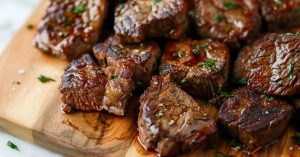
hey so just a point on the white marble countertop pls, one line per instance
(13, 13)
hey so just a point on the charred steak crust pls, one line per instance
(83, 85)
(199, 67)
(229, 21)
(69, 29)
(254, 119)
(272, 65)
(281, 14)
(170, 121)
(145, 56)
(139, 19)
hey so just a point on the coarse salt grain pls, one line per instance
(21, 71)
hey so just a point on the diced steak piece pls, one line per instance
(170, 121)
(136, 20)
(69, 29)
(271, 65)
(88, 87)
(229, 21)
(281, 14)
(200, 66)
(145, 56)
(255, 120)
(83, 85)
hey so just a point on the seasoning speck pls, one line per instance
(12, 145)
(30, 26)
(21, 71)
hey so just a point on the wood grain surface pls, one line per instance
(31, 111)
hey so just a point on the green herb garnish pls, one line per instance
(229, 5)
(219, 17)
(278, 3)
(243, 80)
(291, 73)
(79, 9)
(179, 54)
(67, 22)
(156, 1)
(12, 145)
(183, 81)
(226, 94)
(196, 50)
(210, 64)
(30, 26)
(267, 97)
(235, 144)
(121, 7)
(45, 79)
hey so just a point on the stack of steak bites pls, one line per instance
(105, 76)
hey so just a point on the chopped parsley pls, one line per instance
(291, 73)
(121, 7)
(196, 50)
(45, 79)
(12, 145)
(156, 1)
(30, 26)
(67, 22)
(226, 94)
(183, 81)
(267, 97)
(234, 144)
(79, 9)
(210, 64)
(243, 80)
(229, 5)
(219, 17)
(179, 54)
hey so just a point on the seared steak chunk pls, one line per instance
(229, 21)
(200, 67)
(83, 85)
(69, 29)
(171, 121)
(272, 64)
(88, 87)
(145, 56)
(256, 120)
(281, 14)
(136, 20)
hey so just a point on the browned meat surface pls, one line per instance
(83, 85)
(256, 120)
(145, 56)
(139, 19)
(171, 121)
(281, 14)
(200, 67)
(271, 65)
(69, 29)
(229, 21)
(88, 87)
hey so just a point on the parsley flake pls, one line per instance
(219, 17)
(291, 73)
(156, 1)
(267, 97)
(229, 5)
(210, 64)
(12, 145)
(67, 22)
(226, 94)
(79, 9)
(243, 80)
(45, 79)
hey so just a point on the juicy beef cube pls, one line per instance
(83, 85)
(88, 87)
(136, 20)
(145, 56)
(229, 21)
(170, 121)
(256, 120)
(281, 14)
(271, 65)
(69, 29)
(199, 67)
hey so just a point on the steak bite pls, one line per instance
(136, 20)
(88, 87)
(271, 65)
(83, 85)
(69, 29)
(170, 121)
(256, 120)
(144, 55)
(199, 66)
(229, 21)
(281, 14)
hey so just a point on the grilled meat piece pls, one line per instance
(83, 85)
(256, 120)
(88, 87)
(229, 21)
(145, 56)
(281, 14)
(272, 64)
(69, 29)
(171, 121)
(200, 67)
(136, 20)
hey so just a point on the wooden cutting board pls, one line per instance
(31, 110)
